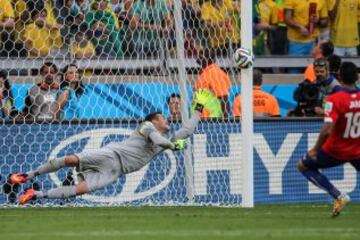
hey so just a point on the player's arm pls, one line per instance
(148, 131)
(201, 96)
(161, 141)
(331, 116)
(324, 134)
(187, 128)
(334, 10)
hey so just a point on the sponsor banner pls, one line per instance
(216, 163)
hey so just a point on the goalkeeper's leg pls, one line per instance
(96, 169)
(60, 192)
(89, 181)
(51, 166)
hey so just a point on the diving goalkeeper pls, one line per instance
(101, 167)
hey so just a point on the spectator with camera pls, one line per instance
(310, 96)
(326, 81)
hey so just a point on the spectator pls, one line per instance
(334, 65)
(323, 49)
(22, 18)
(52, 25)
(344, 30)
(265, 105)
(309, 96)
(63, 11)
(221, 17)
(40, 102)
(69, 14)
(122, 11)
(72, 89)
(37, 36)
(116, 6)
(104, 24)
(80, 8)
(279, 41)
(303, 28)
(7, 23)
(212, 77)
(194, 29)
(82, 47)
(6, 97)
(151, 23)
(174, 103)
(327, 82)
(268, 18)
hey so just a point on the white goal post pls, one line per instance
(247, 157)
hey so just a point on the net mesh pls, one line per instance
(83, 73)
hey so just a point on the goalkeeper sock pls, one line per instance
(321, 181)
(60, 192)
(50, 166)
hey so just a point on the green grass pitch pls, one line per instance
(262, 222)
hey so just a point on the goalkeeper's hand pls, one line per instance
(180, 145)
(201, 97)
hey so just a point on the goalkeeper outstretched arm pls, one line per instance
(161, 141)
(176, 142)
(188, 127)
(201, 97)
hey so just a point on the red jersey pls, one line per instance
(343, 109)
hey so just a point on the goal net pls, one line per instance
(85, 73)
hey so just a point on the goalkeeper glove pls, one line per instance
(180, 145)
(201, 97)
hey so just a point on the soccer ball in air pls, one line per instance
(243, 58)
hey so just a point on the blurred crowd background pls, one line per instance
(144, 28)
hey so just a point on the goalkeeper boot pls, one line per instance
(27, 196)
(17, 178)
(339, 204)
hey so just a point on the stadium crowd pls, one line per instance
(51, 99)
(325, 29)
(132, 28)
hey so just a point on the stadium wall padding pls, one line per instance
(135, 100)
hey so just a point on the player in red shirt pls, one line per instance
(339, 139)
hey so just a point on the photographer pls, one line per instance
(310, 96)
(324, 78)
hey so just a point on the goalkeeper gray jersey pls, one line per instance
(146, 142)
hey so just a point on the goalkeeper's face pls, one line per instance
(161, 123)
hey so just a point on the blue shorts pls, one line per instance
(324, 160)
(300, 49)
